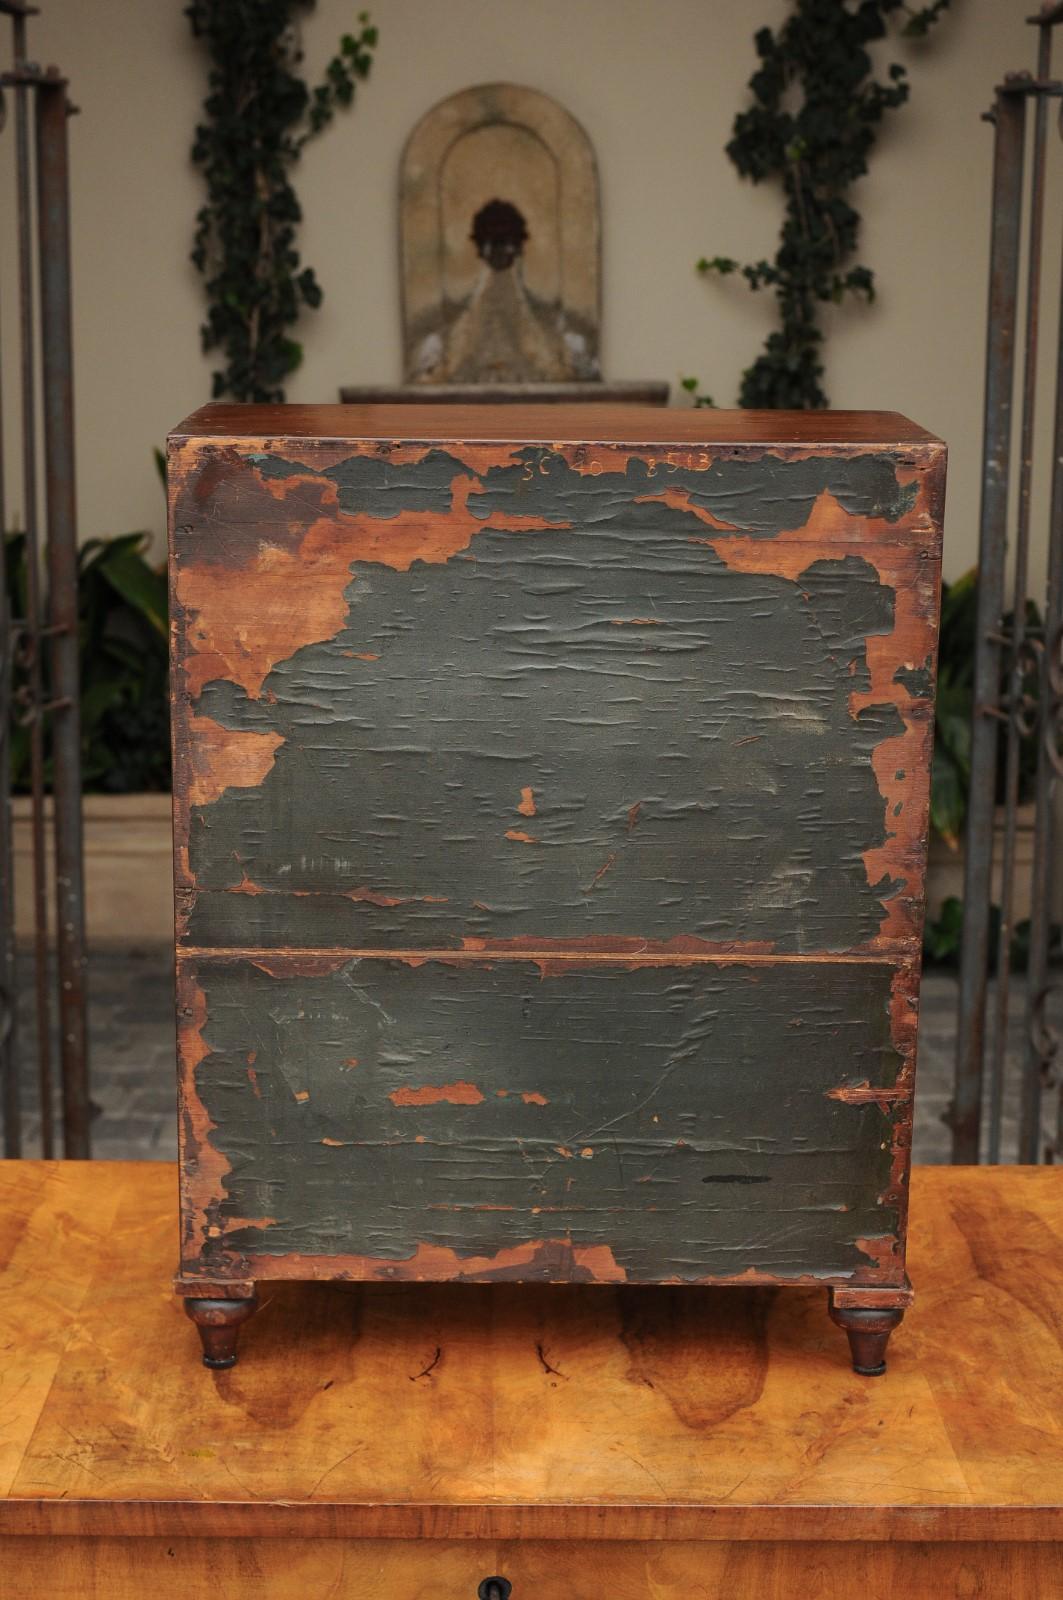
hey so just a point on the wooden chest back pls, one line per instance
(550, 826)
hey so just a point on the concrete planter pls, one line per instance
(128, 868)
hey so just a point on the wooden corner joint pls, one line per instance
(193, 1288)
(857, 1297)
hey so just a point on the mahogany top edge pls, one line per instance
(552, 424)
(120, 1515)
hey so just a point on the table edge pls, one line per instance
(622, 1521)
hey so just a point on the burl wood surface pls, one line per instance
(550, 825)
(389, 1439)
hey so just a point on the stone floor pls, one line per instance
(132, 1043)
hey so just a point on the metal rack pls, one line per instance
(1018, 687)
(39, 649)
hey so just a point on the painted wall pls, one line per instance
(655, 84)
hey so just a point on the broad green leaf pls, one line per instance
(145, 590)
(948, 798)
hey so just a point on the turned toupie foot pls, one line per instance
(219, 1323)
(868, 1329)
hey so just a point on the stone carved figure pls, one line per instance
(500, 242)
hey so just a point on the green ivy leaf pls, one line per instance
(258, 114)
(721, 264)
(811, 127)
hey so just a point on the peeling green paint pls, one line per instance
(612, 665)
(679, 1116)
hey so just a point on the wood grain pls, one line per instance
(530, 1412)
(281, 1569)
(649, 425)
(42, 1220)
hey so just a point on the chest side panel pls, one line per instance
(531, 698)
(445, 1118)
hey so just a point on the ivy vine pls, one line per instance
(812, 125)
(258, 115)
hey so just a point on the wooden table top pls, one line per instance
(621, 424)
(548, 1412)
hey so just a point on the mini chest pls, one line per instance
(550, 827)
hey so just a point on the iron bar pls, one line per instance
(1009, 121)
(1042, 1041)
(39, 690)
(1031, 653)
(34, 607)
(53, 255)
(10, 1087)
(1013, 748)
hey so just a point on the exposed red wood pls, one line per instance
(202, 1167)
(432, 1094)
(237, 613)
(225, 758)
(910, 570)
(899, 1295)
(863, 1094)
(556, 1258)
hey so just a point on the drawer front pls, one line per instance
(418, 1569)
(455, 1118)
(552, 697)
